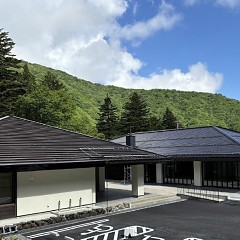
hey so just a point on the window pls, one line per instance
(222, 174)
(178, 172)
(6, 195)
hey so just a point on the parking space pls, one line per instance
(186, 220)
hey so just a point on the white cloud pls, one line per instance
(165, 19)
(198, 78)
(135, 8)
(224, 3)
(99, 60)
(84, 38)
(190, 3)
(229, 3)
(42, 28)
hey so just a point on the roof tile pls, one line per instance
(210, 141)
(27, 142)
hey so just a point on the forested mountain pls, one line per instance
(190, 108)
(56, 98)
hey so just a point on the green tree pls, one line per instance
(107, 122)
(169, 121)
(52, 82)
(47, 104)
(81, 122)
(154, 123)
(135, 116)
(10, 85)
(28, 79)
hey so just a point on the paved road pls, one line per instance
(187, 220)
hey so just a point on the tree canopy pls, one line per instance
(107, 122)
(191, 109)
(11, 86)
(52, 82)
(135, 116)
(169, 121)
(28, 79)
(46, 103)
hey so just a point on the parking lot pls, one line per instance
(186, 220)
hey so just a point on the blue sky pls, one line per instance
(207, 33)
(190, 45)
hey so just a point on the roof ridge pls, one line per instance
(219, 129)
(4, 117)
(164, 130)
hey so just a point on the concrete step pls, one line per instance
(234, 197)
(142, 202)
(204, 197)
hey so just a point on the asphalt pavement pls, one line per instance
(186, 220)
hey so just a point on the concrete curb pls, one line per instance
(71, 216)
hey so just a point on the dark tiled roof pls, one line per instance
(191, 142)
(24, 142)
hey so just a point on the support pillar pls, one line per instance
(159, 173)
(101, 175)
(197, 169)
(137, 180)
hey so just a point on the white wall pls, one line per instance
(137, 180)
(159, 173)
(197, 165)
(40, 191)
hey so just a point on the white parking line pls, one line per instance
(98, 228)
(68, 238)
(115, 234)
(103, 220)
(67, 228)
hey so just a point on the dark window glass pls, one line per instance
(5, 188)
(178, 172)
(150, 173)
(221, 174)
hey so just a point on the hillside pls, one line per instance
(191, 108)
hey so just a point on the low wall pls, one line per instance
(72, 216)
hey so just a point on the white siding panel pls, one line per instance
(40, 191)
(197, 165)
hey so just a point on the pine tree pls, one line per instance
(154, 123)
(28, 79)
(51, 81)
(169, 121)
(107, 122)
(135, 116)
(11, 86)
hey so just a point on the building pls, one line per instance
(201, 156)
(43, 168)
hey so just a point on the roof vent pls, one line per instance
(130, 141)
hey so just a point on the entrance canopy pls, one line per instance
(28, 145)
(190, 144)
